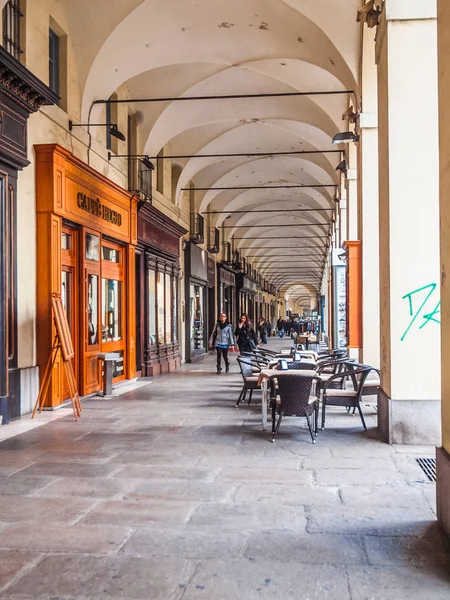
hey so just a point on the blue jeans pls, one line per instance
(264, 338)
(281, 334)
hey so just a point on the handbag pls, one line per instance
(251, 341)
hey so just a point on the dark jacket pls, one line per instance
(243, 336)
(263, 328)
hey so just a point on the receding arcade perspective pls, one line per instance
(224, 247)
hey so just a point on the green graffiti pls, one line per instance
(415, 312)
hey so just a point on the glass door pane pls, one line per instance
(92, 306)
(66, 295)
(197, 317)
(111, 310)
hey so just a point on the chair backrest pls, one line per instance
(295, 391)
(302, 365)
(246, 367)
(358, 374)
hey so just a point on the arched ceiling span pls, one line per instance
(171, 48)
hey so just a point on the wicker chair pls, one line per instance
(333, 396)
(250, 377)
(302, 365)
(295, 400)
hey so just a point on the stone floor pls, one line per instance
(169, 492)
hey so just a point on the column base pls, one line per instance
(443, 488)
(409, 421)
(29, 389)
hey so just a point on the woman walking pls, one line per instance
(222, 339)
(246, 336)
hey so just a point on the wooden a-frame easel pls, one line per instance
(61, 343)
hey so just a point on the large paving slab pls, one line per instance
(169, 493)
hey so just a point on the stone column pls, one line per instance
(352, 195)
(368, 181)
(443, 453)
(406, 53)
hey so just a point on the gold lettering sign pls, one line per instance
(95, 207)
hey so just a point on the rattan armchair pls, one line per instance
(336, 394)
(295, 400)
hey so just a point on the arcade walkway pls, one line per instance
(169, 492)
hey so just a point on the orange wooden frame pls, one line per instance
(62, 181)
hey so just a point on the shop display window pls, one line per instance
(174, 309)
(92, 247)
(92, 308)
(168, 309)
(197, 302)
(111, 310)
(160, 299)
(152, 307)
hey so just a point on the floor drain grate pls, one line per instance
(428, 466)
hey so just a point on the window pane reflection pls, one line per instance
(92, 247)
(111, 311)
(66, 241)
(110, 254)
(92, 304)
(66, 291)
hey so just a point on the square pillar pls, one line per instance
(443, 454)
(406, 54)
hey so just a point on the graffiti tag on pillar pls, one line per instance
(420, 302)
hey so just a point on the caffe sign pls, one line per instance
(95, 207)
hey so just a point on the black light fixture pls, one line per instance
(113, 129)
(342, 167)
(148, 163)
(345, 137)
(369, 14)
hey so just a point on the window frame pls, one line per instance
(11, 28)
(54, 61)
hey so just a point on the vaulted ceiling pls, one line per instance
(175, 48)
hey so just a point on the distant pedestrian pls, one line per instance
(262, 330)
(280, 327)
(222, 340)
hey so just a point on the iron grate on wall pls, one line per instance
(428, 466)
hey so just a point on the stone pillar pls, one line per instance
(406, 53)
(368, 181)
(443, 453)
(351, 233)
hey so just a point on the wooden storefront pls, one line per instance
(158, 293)
(86, 239)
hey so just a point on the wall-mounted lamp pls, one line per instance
(369, 14)
(113, 130)
(345, 137)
